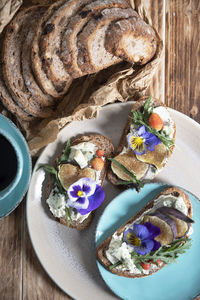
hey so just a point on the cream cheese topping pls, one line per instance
(57, 205)
(168, 128)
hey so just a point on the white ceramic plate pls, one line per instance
(68, 256)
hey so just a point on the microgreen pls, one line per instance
(65, 156)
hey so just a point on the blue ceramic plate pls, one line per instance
(15, 194)
(175, 281)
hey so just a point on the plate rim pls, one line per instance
(196, 124)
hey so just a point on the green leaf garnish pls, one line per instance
(50, 169)
(65, 156)
(133, 176)
(166, 254)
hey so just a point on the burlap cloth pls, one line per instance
(88, 94)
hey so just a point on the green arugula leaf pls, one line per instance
(134, 178)
(65, 156)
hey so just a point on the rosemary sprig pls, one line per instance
(133, 180)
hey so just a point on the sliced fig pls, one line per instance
(156, 157)
(182, 227)
(175, 213)
(130, 161)
(68, 174)
(167, 226)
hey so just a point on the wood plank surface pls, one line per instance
(182, 58)
(176, 83)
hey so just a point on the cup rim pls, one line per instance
(16, 179)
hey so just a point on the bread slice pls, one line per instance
(30, 82)
(102, 248)
(132, 40)
(50, 43)
(15, 35)
(44, 27)
(69, 50)
(92, 55)
(102, 143)
(136, 163)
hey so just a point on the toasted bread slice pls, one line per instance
(102, 143)
(141, 164)
(104, 246)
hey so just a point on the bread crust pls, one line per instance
(100, 251)
(101, 142)
(123, 142)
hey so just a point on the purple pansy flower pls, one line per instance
(141, 140)
(85, 195)
(141, 237)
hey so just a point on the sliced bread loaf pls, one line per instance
(131, 39)
(31, 83)
(15, 36)
(45, 27)
(50, 44)
(92, 55)
(69, 49)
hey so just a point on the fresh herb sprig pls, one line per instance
(65, 156)
(166, 254)
(142, 118)
(68, 216)
(54, 170)
(133, 180)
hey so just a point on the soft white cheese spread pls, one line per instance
(82, 153)
(57, 205)
(168, 128)
(120, 251)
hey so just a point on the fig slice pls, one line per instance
(68, 174)
(175, 213)
(156, 157)
(166, 224)
(130, 161)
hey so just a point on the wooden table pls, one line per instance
(176, 83)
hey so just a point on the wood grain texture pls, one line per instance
(182, 58)
(11, 241)
(156, 11)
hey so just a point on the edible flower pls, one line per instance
(141, 237)
(141, 140)
(85, 195)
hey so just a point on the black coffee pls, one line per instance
(8, 163)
